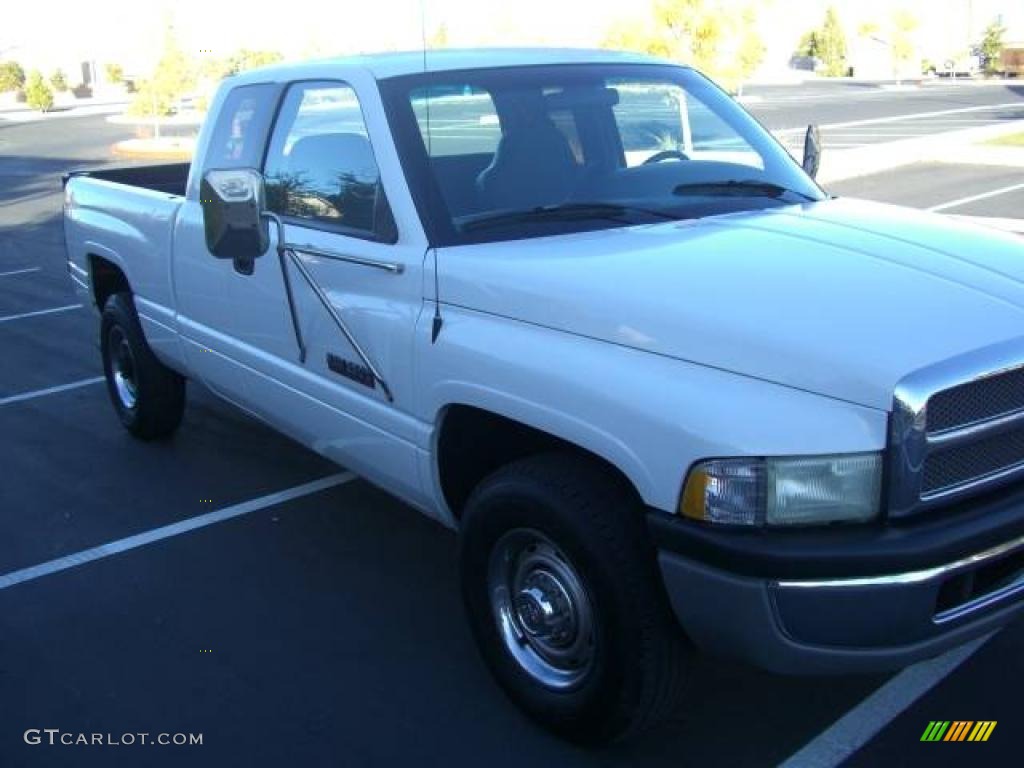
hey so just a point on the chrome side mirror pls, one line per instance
(233, 202)
(812, 151)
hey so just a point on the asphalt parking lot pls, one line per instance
(326, 628)
(856, 114)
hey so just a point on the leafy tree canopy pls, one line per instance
(12, 76)
(37, 93)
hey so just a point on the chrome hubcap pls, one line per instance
(543, 613)
(122, 368)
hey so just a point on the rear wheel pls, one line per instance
(564, 599)
(149, 397)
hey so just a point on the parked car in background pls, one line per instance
(962, 66)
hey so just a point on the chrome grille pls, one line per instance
(976, 401)
(952, 467)
(958, 429)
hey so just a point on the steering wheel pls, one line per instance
(666, 154)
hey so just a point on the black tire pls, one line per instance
(594, 522)
(149, 397)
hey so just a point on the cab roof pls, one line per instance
(386, 65)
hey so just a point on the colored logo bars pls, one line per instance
(958, 730)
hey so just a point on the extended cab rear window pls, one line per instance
(241, 132)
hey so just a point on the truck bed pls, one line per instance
(170, 178)
(126, 217)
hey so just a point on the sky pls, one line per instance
(130, 31)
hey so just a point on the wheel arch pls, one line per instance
(472, 440)
(106, 277)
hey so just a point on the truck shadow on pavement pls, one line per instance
(338, 638)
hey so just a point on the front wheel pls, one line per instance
(149, 397)
(565, 601)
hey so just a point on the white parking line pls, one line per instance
(39, 312)
(912, 116)
(862, 723)
(19, 272)
(975, 198)
(49, 391)
(884, 130)
(174, 529)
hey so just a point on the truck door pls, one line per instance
(203, 284)
(323, 337)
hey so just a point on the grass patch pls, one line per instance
(1011, 140)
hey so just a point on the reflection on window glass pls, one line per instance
(456, 120)
(535, 151)
(320, 164)
(473, 148)
(659, 119)
(650, 118)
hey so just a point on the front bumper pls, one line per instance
(854, 599)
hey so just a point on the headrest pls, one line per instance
(327, 153)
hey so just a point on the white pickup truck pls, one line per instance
(583, 308)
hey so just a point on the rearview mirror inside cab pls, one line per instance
(233, 202)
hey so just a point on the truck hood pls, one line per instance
(840, 297)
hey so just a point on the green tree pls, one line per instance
(114, 72)
(246, 59)
(640, 36)
(751, 48)
(694, 29)
(439, 38)
(59, 81)
(12, 76)
(992, 46)
(831, 45)
(808, 45)
(869, 29)
(240, 61)
(37, 93)
(718, 37)
(903, 25)
(173, 77)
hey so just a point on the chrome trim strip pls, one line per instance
(909, 441)
(326, 302)
(977, 430)
(909, 577)
(81, 283)
(75, 268)
(289, 254)
(388, 266)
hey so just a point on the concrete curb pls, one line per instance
(171, 148)
(952, 146)
(184, 118)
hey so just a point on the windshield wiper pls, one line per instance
(738, 188)
(564, 212)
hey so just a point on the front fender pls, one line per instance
(651, 416)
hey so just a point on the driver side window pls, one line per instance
(320, 165)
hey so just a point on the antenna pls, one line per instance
(423, 31)
(426, 92)
(438, 321)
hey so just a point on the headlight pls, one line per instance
(805, 490)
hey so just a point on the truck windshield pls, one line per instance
(522, 152)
